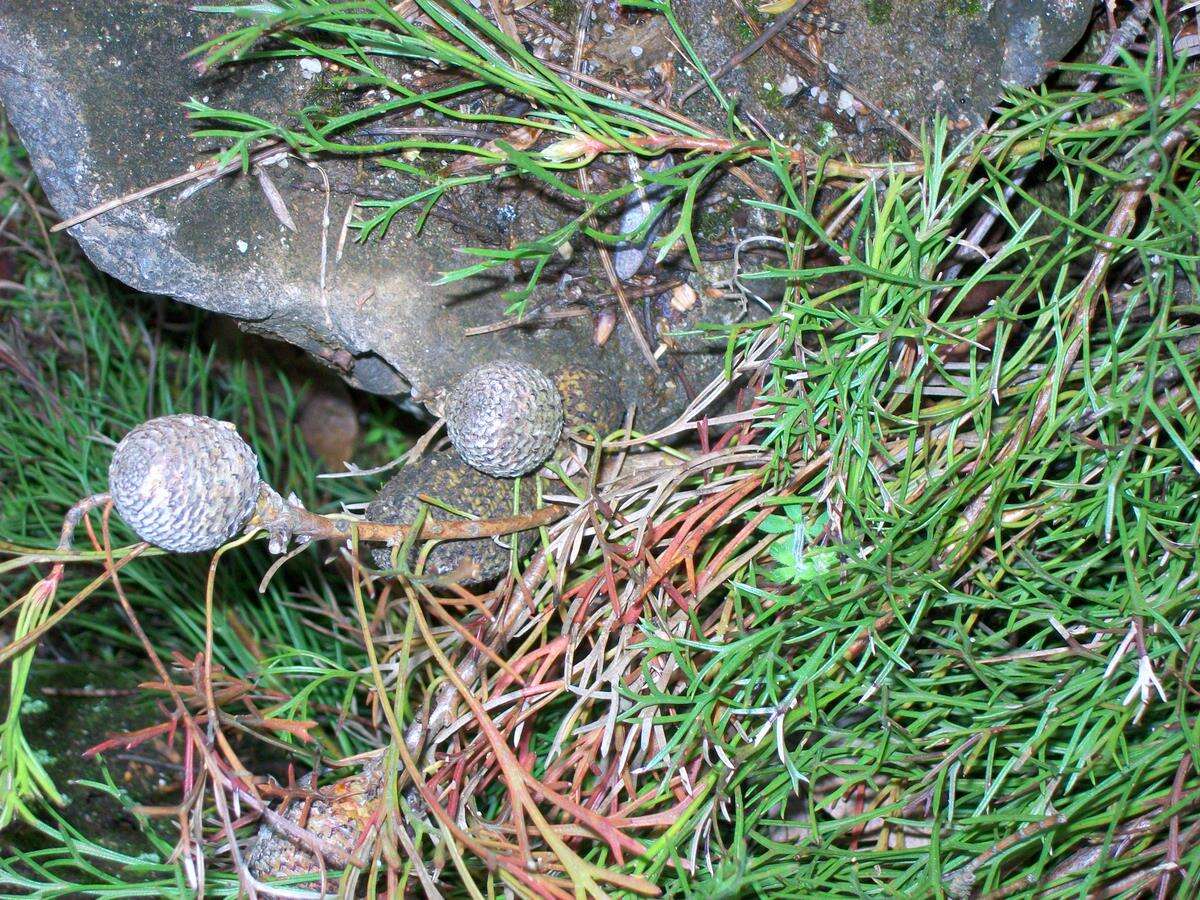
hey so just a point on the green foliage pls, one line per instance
(1007, 632)
(961, 651)
(796, 551)
(83, 360)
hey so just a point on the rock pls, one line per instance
(1037, 34)
(95, 87)
(590, 400)
(914, 58)
(95, 91)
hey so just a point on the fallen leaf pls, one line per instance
(520, 138)
(275, 199)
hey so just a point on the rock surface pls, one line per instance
(95, 87)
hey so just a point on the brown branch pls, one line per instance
(75, 515)
(213, 169)
(1176, 797)
(961, 882)
(275, 513)
(505, 20)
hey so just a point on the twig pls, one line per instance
(781, 22)
(406, 459)
(299, 522)
(960, 882)
(536, 318)
(585, 185)
(505, 20)
(214, 168)
(75, 515)
(553, 315)
(531, 15)
(1172, 860)
(586, 147)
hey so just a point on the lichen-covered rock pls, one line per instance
(338, 815)
(444, 477)
(915, 59)
(504, 418)
(590, 399)
(184, 483)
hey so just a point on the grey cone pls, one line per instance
(504, 418)
(184, 483)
